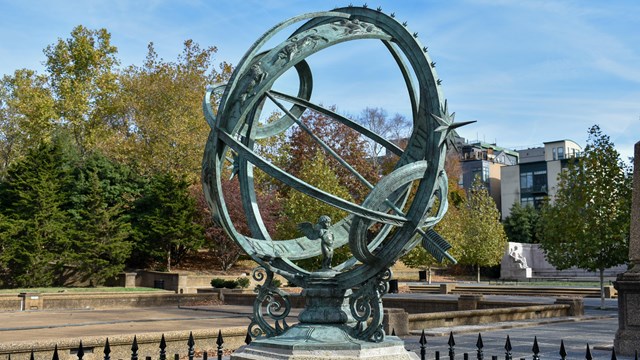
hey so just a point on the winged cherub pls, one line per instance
(320, 231)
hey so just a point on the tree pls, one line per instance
(377, 120)
(165, 222)
(299, 208)
(520, 226)
(160, 113)
(34, 202)
(484, 240)
(101, 236)
(82, 77)
(26, 115)
(346, 142)
(451, 227)
(587, 223)
(224, 248)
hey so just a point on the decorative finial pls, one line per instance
(433, 64)
(379, 9)
(425, 48)
(439, 82)
(393, 15)
(404, 23)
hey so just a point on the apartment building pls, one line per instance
(535, 177)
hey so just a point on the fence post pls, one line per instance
(535, 349)
(479, 346)
(508, 348)
(163, 347)
(55, 353)
(423, 346)
(191, 343)
(563, 352)
(588, 354)
(613, 355)
(80, 352)
(219, 342)
(134, 348)
(107, 350)
(452, 344)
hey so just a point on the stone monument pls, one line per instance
(343, 313)
(627, 339)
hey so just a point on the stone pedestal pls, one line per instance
(396, 321)
(310, 342)
(469, 301)
(627, 339)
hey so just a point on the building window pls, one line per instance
(526, 182)
(560, 153)
(555, 156)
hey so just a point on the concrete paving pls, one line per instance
(597, 328)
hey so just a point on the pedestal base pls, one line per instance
(311, 342)
(627, 339)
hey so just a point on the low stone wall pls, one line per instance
(102, 301)
(148, 343)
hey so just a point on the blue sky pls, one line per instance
(527, 71)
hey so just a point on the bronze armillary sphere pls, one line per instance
(346, 295)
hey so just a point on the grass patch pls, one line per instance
(56, 290)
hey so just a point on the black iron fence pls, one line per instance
(451, 351)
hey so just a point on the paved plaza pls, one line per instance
(597, 328)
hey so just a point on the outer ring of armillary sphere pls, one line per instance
(234, 129)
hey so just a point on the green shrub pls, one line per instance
(217, 282)
(243, 282)
(230, 284)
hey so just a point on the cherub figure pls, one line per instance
(320, 231)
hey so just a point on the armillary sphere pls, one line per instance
(361, 280)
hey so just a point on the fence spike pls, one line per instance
(80, 353)
(205, 355)
(393, 332)
(535, 349)
(191, 343)
(32, 356)
(134, 348)
(613, 355)
(588, 354)
(452, 344)
(219, 342)
(163, 348)
(423, 346)
(55, 353)
(248, 339)
(479, 347)
(107, 350)
(563, 352)
(508, 348)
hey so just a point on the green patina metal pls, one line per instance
(341, 298)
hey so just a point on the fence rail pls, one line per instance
(451, 351)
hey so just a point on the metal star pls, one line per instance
(447, 126)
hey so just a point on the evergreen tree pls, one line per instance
(520, 225)
(587, 223)
(34, 197)
(101, 235)
(165, 222)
